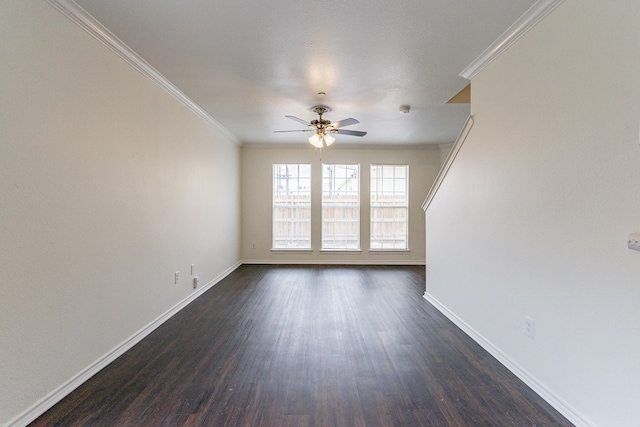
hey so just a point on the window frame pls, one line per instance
(357, 206)
(373, 205)
(308, 206)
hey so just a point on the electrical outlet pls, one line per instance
(253, 245)
(196, 282)
(529, 326)
(176, 277)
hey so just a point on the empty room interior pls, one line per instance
(319, 213)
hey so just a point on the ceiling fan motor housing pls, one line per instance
(320, 124)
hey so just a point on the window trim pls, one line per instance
(357, 219)
(308, 206)
(407, 248)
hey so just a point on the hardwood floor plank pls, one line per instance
(306, 346)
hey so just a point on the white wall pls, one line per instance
(424, 164)
(533, 217)
(107, 186)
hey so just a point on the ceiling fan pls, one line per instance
(324, 128)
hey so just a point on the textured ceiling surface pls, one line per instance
(248, 64)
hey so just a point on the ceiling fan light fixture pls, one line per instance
(328, 139)
(316, 140)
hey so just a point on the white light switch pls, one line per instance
(634, 241)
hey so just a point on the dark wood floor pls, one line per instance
(306, 346)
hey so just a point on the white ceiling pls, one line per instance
(250, 63)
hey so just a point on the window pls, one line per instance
(291, 206)
(341, 207)
(389, 207)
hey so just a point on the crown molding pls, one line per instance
(84, 20)
(527, 21)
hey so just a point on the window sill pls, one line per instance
(342, 251)
(291, 250)
(386, 251)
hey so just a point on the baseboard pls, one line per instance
(44, 404)
(543, 391)
(330, 262)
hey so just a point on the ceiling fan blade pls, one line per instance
(346, 122)
(299, 120)
(349, 132)
(297, 130)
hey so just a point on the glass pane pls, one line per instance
(341, 206)
(389, 207)
(291, 206)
